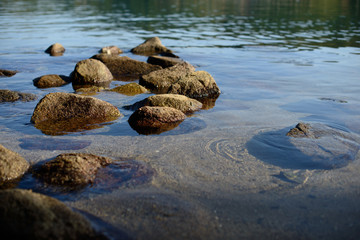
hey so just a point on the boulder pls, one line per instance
(71, 169)
(68, 112)
(28, 215)
(90, 72)
(150, 120)
(151, 46)
(125, 68)
(130, 89)
(7, 73)
(12, 165)
(111, 50)
(12, 96)
(55, 50)
(180, 102)
(163, 61)
(51, 80)
(160, 81)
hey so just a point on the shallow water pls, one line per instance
(218, 175)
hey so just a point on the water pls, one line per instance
(276, 63)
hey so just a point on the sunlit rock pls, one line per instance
(163, 61)
(7, 73)
(130, 89)
(55, 50)
(151, 46)
(111, 50)
(12, 96)
(51, 80)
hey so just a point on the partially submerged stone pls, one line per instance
(51, 80)
(12, 165)
(163, 61)
(125, 68)
(90, 72)
(111, 50)
(89, 90)
(12, 96)
(7, 73)
(67, 112)
(130, 89)
(28, 215)
(301, 130)
(71, 169)
(55, 50)
(151, 46)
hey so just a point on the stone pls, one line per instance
(111, 50)
(12, 165)
(51, 80)
(67, 112)
(130, 89)
(28, 215)
(160, 81)
(89, 90)
(125, 68)
(12, 96)
(164, 62)
(7, 73)
(71, 169)
(151, 46)
(301, 130)
(90, 72)
(55, 50)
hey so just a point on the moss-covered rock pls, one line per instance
(130, 89)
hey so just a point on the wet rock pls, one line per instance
(125, 68)
(301, 130)
(71, 169)
(12, 96)
(12, 165)
(111, 50)
(28, 215)
(180, 102)
(7, 73)
(130, 89)
(150, 120)
(51, 80)
(55, 50)
(151, 46)
(67, 112)
(90, 72)
(160, 81)
(163, 61)
(89, 90)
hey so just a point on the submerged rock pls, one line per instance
(12, 96)
(125, 68)
(163, 61)
(130, 89)
(51, 80)
(28, 215)
(90, 72)
(67, 112)
(111, 50)
(71, 169)
(151, 46)
(7, 73)
(55, 50)
(12, 165)
(301, 130)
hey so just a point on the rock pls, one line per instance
(130, 89)
(89, 90)
(55, 50)
(196, 85)
(67, 112)
(301, 130)
(51, 80)
(180, 102)
(151, 46)
(125, 68)
(90, 72)
(111, 50)
(12, 96)
(71, 169)
(12, 165)
(160, 81)
(164, 62)
(150, 120)
(28, 215)
(7, 73)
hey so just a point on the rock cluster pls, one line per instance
(12, 96)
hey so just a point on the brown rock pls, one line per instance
(125, 68)
(164, 62)
(71, 169)
(12, 165)
(130, 89)
(28, 215)
(111, 50)
(151, 46)
(91, 72)
(55, 50)
(51, 80)
(301, 130)
(12, 96)
(7, 73)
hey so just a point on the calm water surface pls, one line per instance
(276, 62)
